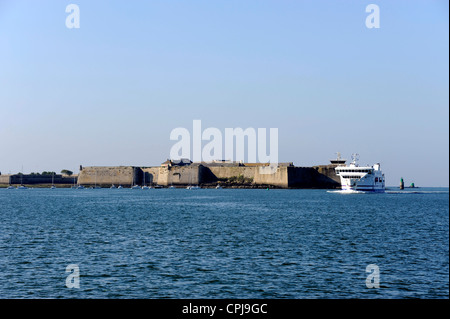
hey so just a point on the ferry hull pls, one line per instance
(368, 189)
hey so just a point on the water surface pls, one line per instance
(227, 243)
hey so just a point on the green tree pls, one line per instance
(66, 172)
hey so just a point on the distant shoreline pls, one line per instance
(202, 186)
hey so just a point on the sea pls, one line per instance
(223, 243)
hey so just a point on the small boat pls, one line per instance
(95, 185)
(171, 187)
(191, 186)
(134, 186)
(10, 187)
(120, 187)
(80, 187)
(53, 187)
(113, 186)
(143, 185)
(218, 187)
(21, 182)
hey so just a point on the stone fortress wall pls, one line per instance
(285, 176)
(233, 174)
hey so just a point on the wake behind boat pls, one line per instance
(355, 178)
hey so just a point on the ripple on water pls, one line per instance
(236, 244)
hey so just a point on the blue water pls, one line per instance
(229, 243)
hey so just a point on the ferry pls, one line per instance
(361, 178)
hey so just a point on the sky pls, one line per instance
(111, 91)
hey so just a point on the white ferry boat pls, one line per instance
(361, 178)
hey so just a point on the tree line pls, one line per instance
(45, 173)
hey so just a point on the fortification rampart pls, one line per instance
(119, 175)
(185, 175)
(285, 176)
(322, 176)
(17, 179)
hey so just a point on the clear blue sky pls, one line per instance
(110, 92)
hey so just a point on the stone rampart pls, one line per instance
(285, 176)
(119, 175)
